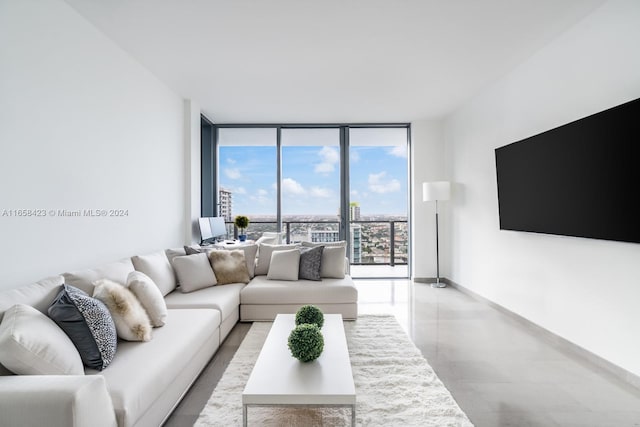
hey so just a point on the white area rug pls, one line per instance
(395, 386)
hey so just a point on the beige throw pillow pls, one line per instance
(264, 256)
(229, 266)
(284, 265)
(32, 344)
(130, 318)
(194, 272)
(149, 296)
(157, 267)
(332, 265)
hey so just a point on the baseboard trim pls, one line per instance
(562, 343)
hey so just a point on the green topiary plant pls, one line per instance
(241, 222)
(310, 314)
(306, 342)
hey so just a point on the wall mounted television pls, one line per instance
(581, 179)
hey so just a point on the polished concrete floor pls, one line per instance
(500, 372)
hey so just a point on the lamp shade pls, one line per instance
(437, 190)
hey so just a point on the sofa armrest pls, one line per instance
(55, 400)
(347, 266)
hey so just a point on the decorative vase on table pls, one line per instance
(242, 237)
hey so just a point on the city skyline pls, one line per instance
(311, 179)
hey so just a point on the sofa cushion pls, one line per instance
(83, 279)
(264, 256)
(194, 272)
(38, 295)
(131, 320)
(284, 265)
(310, 263)
(225, 299)
(174, 252)
(88, 324)
(141, 372)
(149, 296)
(263, 291)
(157, 267)
(32, 344)
(229, 267)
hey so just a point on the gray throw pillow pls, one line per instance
(310, 263)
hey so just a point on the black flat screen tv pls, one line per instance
(581, 179)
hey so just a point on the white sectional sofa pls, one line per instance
(146, 380)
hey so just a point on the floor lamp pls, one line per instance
(434, 191)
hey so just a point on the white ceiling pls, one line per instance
(304, 61)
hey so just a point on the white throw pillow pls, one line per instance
(158, 268)
(32, 344)
(149, 296)
(194, 272)
(284, 265)
(332, 265)
(264, 256)
(130, 318)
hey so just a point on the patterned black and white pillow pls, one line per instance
(88, 323)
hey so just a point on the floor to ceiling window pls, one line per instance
(311, 184)
(379, 202)
(318, 183)
(247, 177)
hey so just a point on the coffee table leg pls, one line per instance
(244, 415)
(353, 416)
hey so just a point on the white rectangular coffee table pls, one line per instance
(279, 379)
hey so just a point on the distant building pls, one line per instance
(354, 211)
(356, 243)
(226, 204)
(324, 236)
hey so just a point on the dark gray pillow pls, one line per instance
(310, 263)
(88, 323)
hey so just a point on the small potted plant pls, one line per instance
(242, 222)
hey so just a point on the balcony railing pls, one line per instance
(372, 242)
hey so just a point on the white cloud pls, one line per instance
(262, 192)
(354, 193)
(329, 157)
(240, 190)
(399, 151)
(379, 183)
(354, 156)
(231, 161)
(232, 173)
(320, 192)
(292, 187)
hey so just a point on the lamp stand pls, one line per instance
(438, 283)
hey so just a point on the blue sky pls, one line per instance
(311, 179)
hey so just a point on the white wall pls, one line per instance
(427, 165)
(82, 126)
(584, 290)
